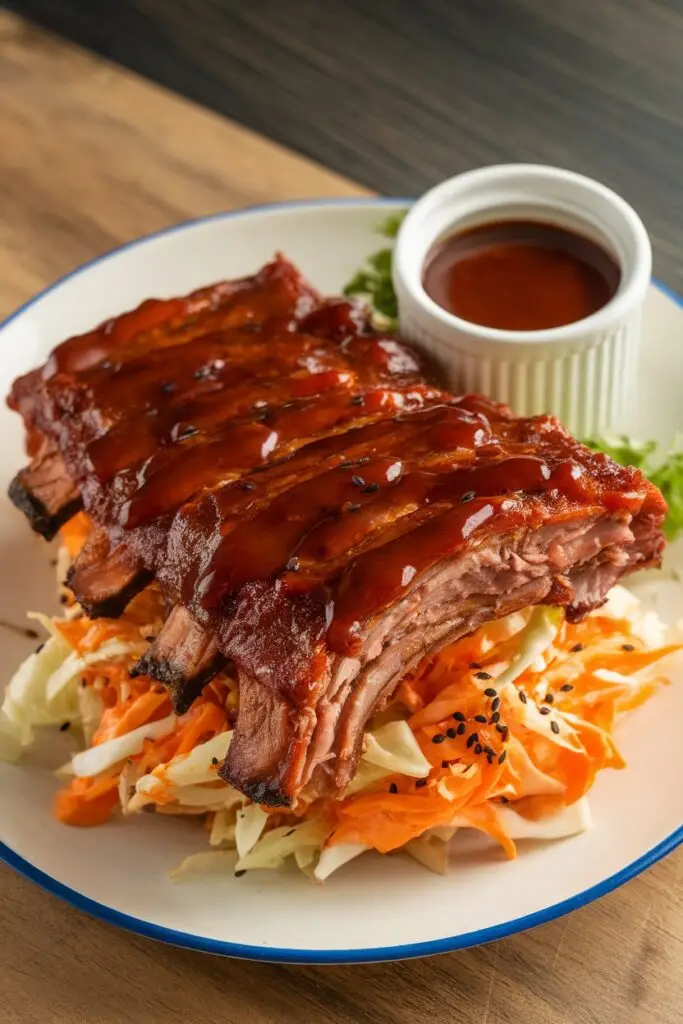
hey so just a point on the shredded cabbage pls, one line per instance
(96, 760)
(11, 745)
(334, 857)
(197, 766)
(30, 701)
(207, 862)
(536, 637)
(274, 847)
(569, 821)
(251, 821)
(73, 666)
(366, 775)
(393, 746)
(223, 828)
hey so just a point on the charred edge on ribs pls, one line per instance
(105, 579)
(44, 518)
(107, 603)
(183, 657)
(184, 689)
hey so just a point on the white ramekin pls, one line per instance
(584, 373)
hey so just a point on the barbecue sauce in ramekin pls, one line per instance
(520, 275)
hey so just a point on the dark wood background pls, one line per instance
(400, 93)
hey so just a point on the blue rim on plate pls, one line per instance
(315, 956)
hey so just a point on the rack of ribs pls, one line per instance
(315, 508)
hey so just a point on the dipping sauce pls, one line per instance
(520, 275)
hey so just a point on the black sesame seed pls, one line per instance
(549, 698)
(64, 726)
(495, 704)
(393, 788)
(522, 696)
(555, 727)
(247, 485)
(461, 729)
(439, 738)
(63, 599)
(292, 565)
(358, 481)
(576, 648)
(489, 758)
(420, 783)
(445, 764)
(504, 799)
(484, 676)
(475, 664)
(495, 718)
(370, 488)
(357, 400)
(502, 757)
(544, 711)
(501, 728)
(478, 749)
(472, 739)
(627, 647)
(490, 692)
(150, 639)
(39, 648)
(468, 496)
(451, 733)
(168, 387)
(489, 750)
(346, 465)
(238, 874)
(458, 716)
(566, 687)
(363, 460)
(214, 761)
(480, 718)
(352, 507)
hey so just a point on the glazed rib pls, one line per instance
(104, 578)
(45, 492)
(183, 656)
(314, 508)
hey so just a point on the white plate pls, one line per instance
(376, 908)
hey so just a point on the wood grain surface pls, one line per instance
(399, 94)
(89, 157)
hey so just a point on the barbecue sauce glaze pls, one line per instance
(519, 275)
(253, 432)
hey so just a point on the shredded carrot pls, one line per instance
(128, 715)
(201, 723)
(460, 726)
(87, 801)
(75, 532)
(484, 746)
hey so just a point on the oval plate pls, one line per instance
(377, 908)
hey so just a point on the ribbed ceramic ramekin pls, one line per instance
(585, 372)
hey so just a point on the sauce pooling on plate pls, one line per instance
(520, 275)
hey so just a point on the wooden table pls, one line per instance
(400, 93)
(91, 156)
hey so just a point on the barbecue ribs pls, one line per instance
(314, 507)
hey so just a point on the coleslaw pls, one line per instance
(503, 731)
